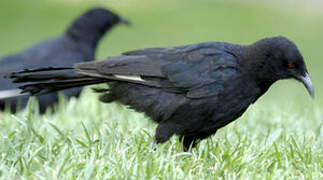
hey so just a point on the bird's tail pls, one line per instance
(50, 79)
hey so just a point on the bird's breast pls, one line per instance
(233, 102)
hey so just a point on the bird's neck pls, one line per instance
(256, 66)
(87, 36)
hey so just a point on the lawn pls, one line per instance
(279, 137)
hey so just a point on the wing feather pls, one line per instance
(166, 69)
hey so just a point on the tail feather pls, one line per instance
(45, 80)
(46, 87)
(42, 74)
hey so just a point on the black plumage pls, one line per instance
(191, 91)
(77, 44)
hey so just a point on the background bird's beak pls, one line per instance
(125, 22)
(306, 80)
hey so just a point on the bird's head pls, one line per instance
(94, 23)
(283, 60)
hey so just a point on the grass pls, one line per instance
(279, 137)
(109, 141)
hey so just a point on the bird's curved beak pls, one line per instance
(125, 22)
(306, 80)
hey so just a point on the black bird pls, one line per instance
(191, 91)
(77, 44)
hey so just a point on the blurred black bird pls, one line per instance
(190, 91)
(77, 44)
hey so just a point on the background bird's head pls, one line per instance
(94, 23)
(283, 60)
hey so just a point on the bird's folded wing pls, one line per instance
(200, 80)
(149, 51)
(134, 69)
(195, 80)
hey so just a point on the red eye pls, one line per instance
(291, 65)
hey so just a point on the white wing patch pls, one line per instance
(9, 93)
(129, 77)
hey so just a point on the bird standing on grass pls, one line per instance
(191, 91)
(77, 44)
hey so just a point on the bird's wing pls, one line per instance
(196, 72)
(134, 69)
(203, 79)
